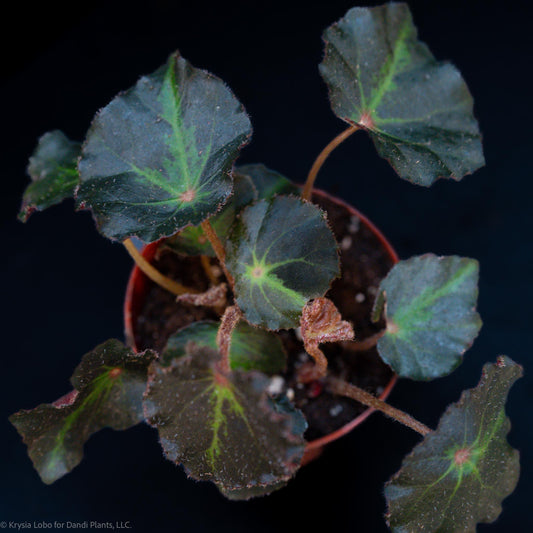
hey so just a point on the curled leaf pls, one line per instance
(321, 322)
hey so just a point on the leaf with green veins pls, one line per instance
(53, 173)
(158, 158)
(460, 473)
(281, 253)
(192, 240)
(251, 182)
(430, 314)
(108, 388)
(224, 428)
(268, 182)
(418, 111)
(251, 348)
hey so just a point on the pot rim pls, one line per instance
(137, 282)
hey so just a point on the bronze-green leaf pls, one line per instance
(460, 473)
(417, 110)
(267, 182)
(192, 240)
(251, 348)
(224, 428)
(53, 172)
(158, 158)
(281, 253)
(251, 182)
(108, 388)
(430, 314)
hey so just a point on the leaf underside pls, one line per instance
(251, 348)
(430, 314)
(53, 171)
(224, 428)
(281, 253)
(418, 111)
(108, 388)
(460, 473)
(250, 183)
(158, 158)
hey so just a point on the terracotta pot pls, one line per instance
(136, 293)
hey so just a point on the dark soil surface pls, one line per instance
(364, 262)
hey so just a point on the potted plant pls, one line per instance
(279, 310)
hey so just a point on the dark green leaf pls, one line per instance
(251, 348)
(251, 182)
(192, 240)
(158, 158)
(430, 313)
(224, 428)
(460, 473)
(53, 173)
(418, 111)
(268, 182)
(108, 388)
(281, 253)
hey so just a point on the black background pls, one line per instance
(63, 284)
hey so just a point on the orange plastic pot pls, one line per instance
(137, 290)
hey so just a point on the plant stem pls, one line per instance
(339, 386)
(365, 344)
(320, 368)
(319, 161)
(206, 265)
(169, 284)
(229, 320)
(218, 248)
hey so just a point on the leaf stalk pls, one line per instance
(218, 247)
(163, 281)
(338, 386)
(319, 161)
(229, 320)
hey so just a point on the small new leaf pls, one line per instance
(460, 473)
(430, 314)
(281, 254)
(224, 427)
(251, 348)
(158, 158)
(108, 388)
(53, 172)
(418, 111)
